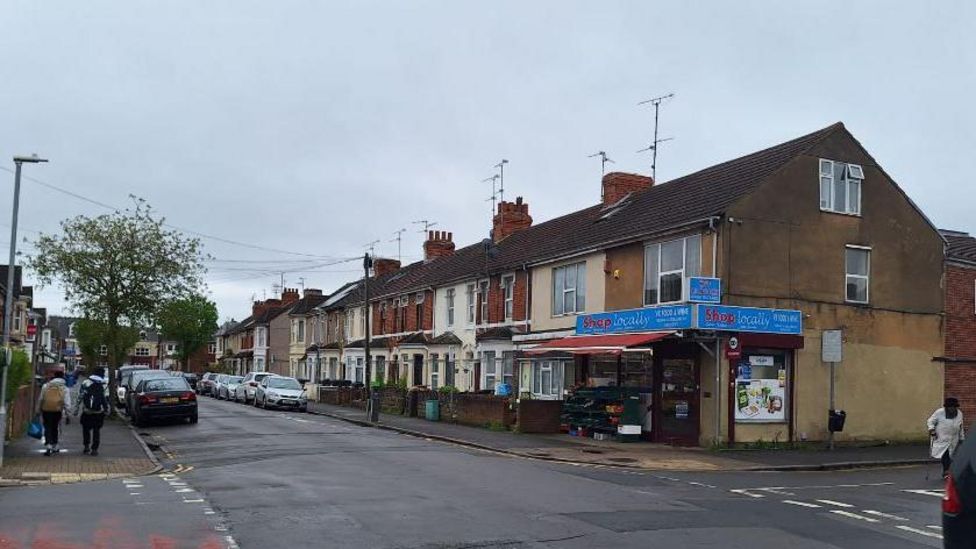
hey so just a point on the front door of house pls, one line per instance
(677, 401)
(418, 369)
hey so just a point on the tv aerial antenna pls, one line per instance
(656, 102)
(426, 223)
(371, 246)
(501, 179)
(604, 160)
(398, 239)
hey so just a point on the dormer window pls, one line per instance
(840, 187)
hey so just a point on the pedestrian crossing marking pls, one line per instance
(853, 515)
(919, 531)
(882, 515)
(835, 503)
(801, 503)
(934, 493)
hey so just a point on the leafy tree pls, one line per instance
(19, 373)
(117, 269)
(190, 322)
(92, 334)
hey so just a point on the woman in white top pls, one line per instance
(946, 430)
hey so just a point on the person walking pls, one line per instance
(54, 400)
(93, 405)
(946, 432)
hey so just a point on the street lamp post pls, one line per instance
(8, 305)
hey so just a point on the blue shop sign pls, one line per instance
(749, 319)
(650, 319)
(705, 289)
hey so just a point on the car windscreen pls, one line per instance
(234, 379)
(283, 383)
(166, 384)
(146, 374)
(259, 377)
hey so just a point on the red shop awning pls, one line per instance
(599, 344)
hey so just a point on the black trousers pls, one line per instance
(946, 461)
(91, 430)
(52, 422)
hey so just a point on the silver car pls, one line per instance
(248, 386)
(227, 387)
(281, 392)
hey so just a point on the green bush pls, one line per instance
(496, 426)
(18, 375)
(447, 389)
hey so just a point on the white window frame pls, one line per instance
(435, 371)
(826, 181)
(347, 325)
(578, 290)
(866, 278)
(508, 287)
(656, 248)
(556, 370)
(259, 364)
(362, 321)
(484, 369)
(262, 339)
(142, 351)
(484, 288)
(103, 350)
(300, 333)
(449, 298)
(471, 303)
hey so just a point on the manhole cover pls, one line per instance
(590, 451)
(622, 460)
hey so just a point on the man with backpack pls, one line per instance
(93, 404)
(55, 398)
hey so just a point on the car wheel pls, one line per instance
(193, 419)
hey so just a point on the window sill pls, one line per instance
(564, 315)
(846, 214)
(857, 303)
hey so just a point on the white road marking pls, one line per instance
(702, 484)
(835, 503)
(935, 493)
(745, 492)
(192, 501)
(231, 544)
(184, 490)
(134, 486)
(934, 527)
(882, 515)
(801, 503)
(135, 493)
(854, 516)
(919, 531)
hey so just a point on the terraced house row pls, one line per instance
(702, 300)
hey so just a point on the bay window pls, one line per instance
(547, 379)
(667, 267)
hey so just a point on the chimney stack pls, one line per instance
(289, 296)
(311, 291)
(438, 244)
(260, 307)
(511, 218)
(382, 266)
(617, 185)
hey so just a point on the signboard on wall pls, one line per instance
(703, 289)
(749, 319)
(831, 346)
(649, 319)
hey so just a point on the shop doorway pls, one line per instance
(677, 401)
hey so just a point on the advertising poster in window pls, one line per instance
(761, 400)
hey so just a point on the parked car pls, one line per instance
(280, 392)
(132, 380)
(227, 387)
(245, 393)
(959, 502)
(192, 379)
(120, 379)
(206, 384)
(215, 389)
(163, 398)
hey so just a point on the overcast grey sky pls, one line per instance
(316, 127)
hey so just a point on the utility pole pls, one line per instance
(372, 397)
(8, 305)
(653, 146)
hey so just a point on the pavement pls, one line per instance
(246, 477)
(121, 454)
(643, 456)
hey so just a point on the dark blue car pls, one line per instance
(959, 502)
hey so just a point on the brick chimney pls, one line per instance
(438, 244)
(289, 296)
(260, 307)
(311, 291)
(382, 266)
(617, 185)
(511, 218)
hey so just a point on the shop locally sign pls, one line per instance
(749, 319)
(704, 290)
(650, 319)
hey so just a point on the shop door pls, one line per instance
(677, 401)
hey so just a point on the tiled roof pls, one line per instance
(240, 326)
(694, 197)
(447, 338)
(500, 332)
(962, 247)
(306, 304)
(418, 338)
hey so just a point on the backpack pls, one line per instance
(93, 400)
(53, 398)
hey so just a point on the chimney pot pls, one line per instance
(511, 218)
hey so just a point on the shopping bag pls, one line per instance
(35, 429)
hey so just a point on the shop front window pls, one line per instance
(760, 386)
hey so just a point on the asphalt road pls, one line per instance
(260, 478)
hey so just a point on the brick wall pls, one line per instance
(463, 408)
(18, 413)
(960, 337)
(539, 416)
(496, 299)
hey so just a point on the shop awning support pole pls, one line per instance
(718, 391)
